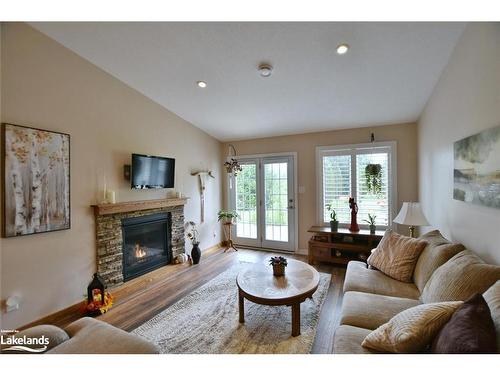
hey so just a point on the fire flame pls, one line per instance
(139, 251)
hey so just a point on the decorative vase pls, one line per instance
(278, 269)
(196, 253)
(354, 213)
(334, 226)
(373, 228)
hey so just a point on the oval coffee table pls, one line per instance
(257, 284)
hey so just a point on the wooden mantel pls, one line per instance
(115, 208)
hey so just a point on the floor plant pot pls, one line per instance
(373, 228)
(334, 226)
(279, 270)
(196, 253)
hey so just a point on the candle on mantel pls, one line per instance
(104, 192)
(110, 196)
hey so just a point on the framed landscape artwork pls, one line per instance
(477, 168)
(36, 180)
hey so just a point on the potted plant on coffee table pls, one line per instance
(334, 224)
(371, 223)
(279, 264)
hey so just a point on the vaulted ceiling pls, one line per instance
(386, 77)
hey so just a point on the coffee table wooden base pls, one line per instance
(257, 284)
(295, 309)
(296, 319)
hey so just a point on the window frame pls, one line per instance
(353, 150)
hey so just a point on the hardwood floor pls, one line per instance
(142, 298)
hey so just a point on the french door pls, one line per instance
(263, 196)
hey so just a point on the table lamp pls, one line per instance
(411, 214)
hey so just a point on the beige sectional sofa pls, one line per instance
(89, 336)
(444, 272)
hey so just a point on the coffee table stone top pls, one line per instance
(259, 282)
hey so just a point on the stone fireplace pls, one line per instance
(134, 238)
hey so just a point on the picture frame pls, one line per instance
(36, 180)
(476, 170)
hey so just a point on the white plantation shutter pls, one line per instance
(368, 202)
(341, 174)
(337, 185)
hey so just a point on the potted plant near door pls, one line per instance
(334, 224)
(371, 223)
(227, 217)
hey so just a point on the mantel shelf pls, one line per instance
(115, 208)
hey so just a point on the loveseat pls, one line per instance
(444, 272)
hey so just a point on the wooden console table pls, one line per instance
(342, 246)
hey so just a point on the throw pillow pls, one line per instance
(437, 252)
(396, 255)
(469, 330)
(460, 278)
(492, 298)
(412, 330)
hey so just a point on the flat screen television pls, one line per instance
(152, 172)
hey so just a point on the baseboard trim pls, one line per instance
(213, 248)
(67, 314)
(302, 251)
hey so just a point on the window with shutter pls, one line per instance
(337, 186)
(342, 174)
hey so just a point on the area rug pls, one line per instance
(206, 322)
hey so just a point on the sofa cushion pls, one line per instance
(492, 298)
(396, 255)
(412, 330)
(91, 336)
(359, 278)
(370, 311)
(348, 340)
(55, 336)
(437, 252)
(470, 330)
(460, 278)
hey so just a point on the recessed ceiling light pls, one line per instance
(342, 49)
(201, 84)
(265, 70)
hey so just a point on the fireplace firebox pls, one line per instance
(147, 243)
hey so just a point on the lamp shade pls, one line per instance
(411, 214)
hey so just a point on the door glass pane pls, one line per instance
(337, 186)
(276, 201)
(369, 202)
(246, 201)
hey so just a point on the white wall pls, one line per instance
(46, 85)
(465, 101)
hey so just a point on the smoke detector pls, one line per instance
(265, 70)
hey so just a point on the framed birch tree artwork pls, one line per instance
(36, 180)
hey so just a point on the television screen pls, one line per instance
(152, 172)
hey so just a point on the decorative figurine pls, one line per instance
(354, 212)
